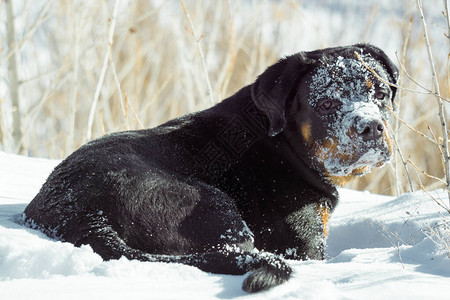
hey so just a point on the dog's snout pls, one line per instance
(372, 130)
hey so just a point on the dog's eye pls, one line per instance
(380, 95)
(326, 105)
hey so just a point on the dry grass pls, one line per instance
(154, 72)
(440, 235)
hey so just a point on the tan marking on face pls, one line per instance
(329, 148)
(369, 83)
(351, 133)
(305, 129)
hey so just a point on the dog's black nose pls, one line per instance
(372, 130)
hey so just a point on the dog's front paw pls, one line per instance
(266, 277)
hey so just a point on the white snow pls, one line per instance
(376, 250)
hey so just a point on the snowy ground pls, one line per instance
(376, 248)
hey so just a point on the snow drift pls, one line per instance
(377, 249)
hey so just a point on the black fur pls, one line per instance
(206, 189)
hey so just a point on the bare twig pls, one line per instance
(101, 78)
(389, 232)
(3, 129)
(396, 107)
(444, 145)
(411, 188)
(425, 173)
(403, 60)
(448, 74)
(122, 101)
(378, 76)
(427, 91)
(42, 17)
(102, 124)
(410, 127)
(13, 78)
(73, 102)
(434, 199)
(127, 102)
(232, 52)
(448, 20)
(200, 51)
(437, 143)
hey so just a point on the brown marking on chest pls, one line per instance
(324, 213)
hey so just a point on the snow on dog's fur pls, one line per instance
(357, 100)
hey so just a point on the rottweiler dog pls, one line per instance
(235, 188)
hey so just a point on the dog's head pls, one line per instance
(332, 107)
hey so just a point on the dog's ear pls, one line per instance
(273, 88)
(387, 63)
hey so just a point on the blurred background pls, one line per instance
(71, 71)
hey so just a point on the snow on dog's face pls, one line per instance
(348, 112)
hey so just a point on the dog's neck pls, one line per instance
(247, 130)
(314, 178)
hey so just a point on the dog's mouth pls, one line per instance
(342, 162)
(373, 157)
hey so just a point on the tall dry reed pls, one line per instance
(145, 62)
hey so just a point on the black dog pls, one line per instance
(257, 171)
